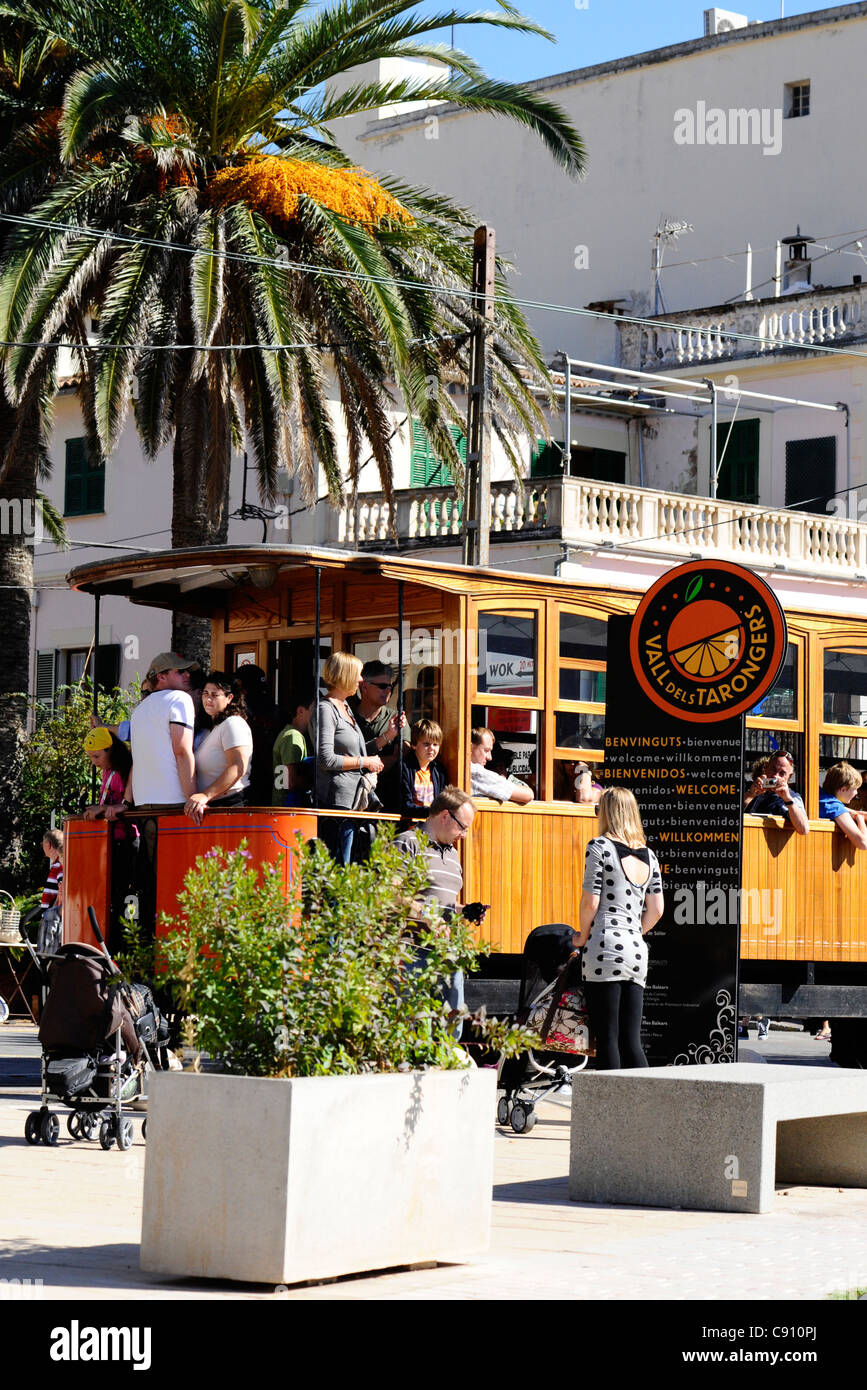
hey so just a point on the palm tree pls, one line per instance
(33, 73)
(255, 266)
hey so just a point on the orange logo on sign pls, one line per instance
(707, 641)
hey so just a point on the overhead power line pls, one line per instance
(452, 291)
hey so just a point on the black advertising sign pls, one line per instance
(705, 646)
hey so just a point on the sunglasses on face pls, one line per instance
(459, 823)
(381, 685)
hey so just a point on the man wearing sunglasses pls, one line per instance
(449, 820)
(379, 725)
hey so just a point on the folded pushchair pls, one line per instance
(99, 1039)
(529, 1077)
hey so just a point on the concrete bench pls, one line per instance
(715, 1138)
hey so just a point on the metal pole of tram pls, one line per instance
(95, 685)
(318, 581)
(400, 677)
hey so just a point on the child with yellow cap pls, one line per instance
(114, 760)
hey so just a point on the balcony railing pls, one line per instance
(434, 514)
(609, 516)
(793, 321)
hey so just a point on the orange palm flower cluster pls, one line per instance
(273, 187)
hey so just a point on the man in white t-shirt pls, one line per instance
(484, 782)
(161, 735)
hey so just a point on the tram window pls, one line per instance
(579, 730)
(587, 686)
(507, 654)
(516, 741)
(764, 743)
(290, 666)
(839, 748)
(582, 639)
(845, 688)
(782, 702)
(422, 656)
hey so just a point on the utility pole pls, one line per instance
(477, 490)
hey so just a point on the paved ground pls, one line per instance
(71, 1217)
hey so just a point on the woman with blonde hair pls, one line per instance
(621, 901)
(345, 768)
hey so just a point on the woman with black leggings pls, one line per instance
(621, 900)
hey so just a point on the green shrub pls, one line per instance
(327, 983)
(57, 775)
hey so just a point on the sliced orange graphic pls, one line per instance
(710, 657)
(699, 622)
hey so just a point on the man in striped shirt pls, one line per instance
(449, 819)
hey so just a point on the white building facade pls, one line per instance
(746, 137)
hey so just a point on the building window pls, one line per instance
(599, 465)
(85, 481)
(425, 469)
(797, 99)
(811, 473)
(737, 452)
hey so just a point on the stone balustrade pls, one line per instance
(703, 335)
(616, 517)
(434, 514)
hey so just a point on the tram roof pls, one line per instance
(199, 580)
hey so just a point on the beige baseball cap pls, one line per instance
(170, 661)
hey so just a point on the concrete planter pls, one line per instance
(277, 1182)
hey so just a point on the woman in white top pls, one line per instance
(621, 901)
(223, 756)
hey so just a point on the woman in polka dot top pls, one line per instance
(621, 901)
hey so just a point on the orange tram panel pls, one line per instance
(269, 835)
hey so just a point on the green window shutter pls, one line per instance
(85, 481)
(45, 676)
(546, 460)
(425, 469)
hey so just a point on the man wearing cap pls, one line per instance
(161, 735)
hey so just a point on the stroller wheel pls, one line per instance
(87, 1124)
(124, 1135)
(144, 1128)
(73, 1124)
(522, 1118)
(503, 1110)
(49, 1129)
(31, 1127)
(106, 1132)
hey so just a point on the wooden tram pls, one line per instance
(525, 655)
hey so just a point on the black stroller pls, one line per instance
(529, 1077)
(95, 1034)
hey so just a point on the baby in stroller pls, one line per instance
(95, 1033)
(549, 965)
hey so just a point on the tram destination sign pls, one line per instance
(705, 646)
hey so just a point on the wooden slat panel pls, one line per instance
(302, 599)
(818, 888)
(528, 864)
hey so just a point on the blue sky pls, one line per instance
(603, 30)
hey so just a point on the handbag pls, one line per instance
(560, 1017)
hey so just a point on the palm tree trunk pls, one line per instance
(17, 496)
(200, 489)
